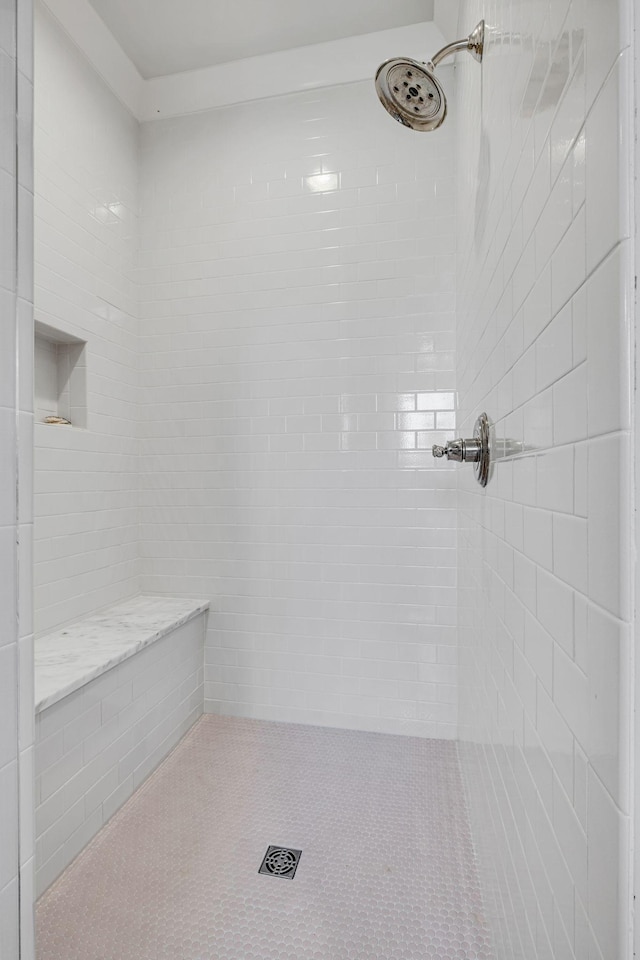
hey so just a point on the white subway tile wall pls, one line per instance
(16, 429)
(297, 363)
(296, 288)
(543, 282)
(86, 498)
(24, 393)
(9, 642)
(96, 746)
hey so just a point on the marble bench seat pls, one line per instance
(114, 694)
(69, 658)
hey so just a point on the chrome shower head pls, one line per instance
(409, 91)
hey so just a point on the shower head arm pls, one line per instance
(473, 44)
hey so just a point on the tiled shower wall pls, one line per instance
(297, 315)
(86, 143)
(543, 334)
(16, 327)
(9, 749)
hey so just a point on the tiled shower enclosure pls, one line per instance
(17, 866)
(259, 316)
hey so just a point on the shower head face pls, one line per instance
(409, 91)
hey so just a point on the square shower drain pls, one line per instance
(280, 862)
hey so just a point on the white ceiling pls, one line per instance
(164, 37)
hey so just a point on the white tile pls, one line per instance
(571, 550)
(9, 700)
(556, 738)
(8, 480)
(27, 803)
(7, 583)
(524, 377)
(568, 269)
(7, 390)
(606, 835)
(580, 785)
(555, 472)
(26, 718)
(606, 146)
(537, 307)
(579, 311)
(580, 506)
(554, 349)
(524, 480)
(525, 581)
(9, 918)
(538, 421)
(27, 900)
(571, 695)
(603, 39)
(555, 609)
(538, 649)
(607, 345)
(607, 464)
(538, 536)
(513, 526)
(607, 648)
(570, 407)
(8, 823)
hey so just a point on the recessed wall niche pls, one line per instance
(60, 376)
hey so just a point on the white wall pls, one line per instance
(543, 332)
(296, 366)
(9, 862)
(16, 643)
(86, 142)
(297, 279)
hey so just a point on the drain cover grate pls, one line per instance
(280, 862)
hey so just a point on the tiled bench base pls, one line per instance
(98, 743)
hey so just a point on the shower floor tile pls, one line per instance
(387, 869)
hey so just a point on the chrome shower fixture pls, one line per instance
(409, 91)
(477, 450)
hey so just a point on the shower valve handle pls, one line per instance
(468, 451)
(475, 450)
